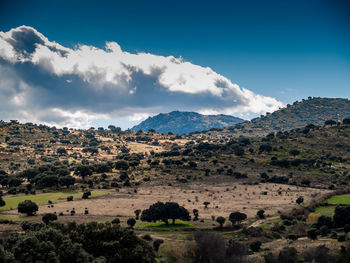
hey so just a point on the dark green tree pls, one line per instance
(165, 212)
(27, 207)
(237, 217)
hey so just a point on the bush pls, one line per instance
(131, 222)
(260, 214)
(49, 217)
(2, 202)
(157, 243)
(255, 246)
(312, 233)
(288, 255)
(86, 195)
(116, 221)
(341, 215)
(341, 238)
(74, 243)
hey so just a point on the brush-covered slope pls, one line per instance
(186, 122)
(299, 114)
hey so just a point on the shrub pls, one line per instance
(255, 246)
(2, 202)
(86, 195)
(341, 215)
(260, 214)
(49, 217)
(157, 243)
(312, 233)
(116, 221)
(288, 255)
(73, 243)
(131, 222)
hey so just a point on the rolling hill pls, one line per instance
(311, 111)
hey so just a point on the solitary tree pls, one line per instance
(237, 217)
(300, 200)
(27, 207)
(206, 203)
(221, 220)
(164, 212)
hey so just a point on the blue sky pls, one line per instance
(287, 50)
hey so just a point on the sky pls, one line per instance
(95, 63)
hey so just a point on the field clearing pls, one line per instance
(325, 210)
(41, 199)
(224, 198)
(136, 147)
(339, 200)
(162, 225)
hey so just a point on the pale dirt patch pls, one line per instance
(136, 147)
(228, 197)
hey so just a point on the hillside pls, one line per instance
(186, 122)
(297, 115)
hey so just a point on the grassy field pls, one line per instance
(325, 210)
(41, 199)
(15, 218)
(179, 224)
(339, 200)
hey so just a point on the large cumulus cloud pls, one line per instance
(43, 81)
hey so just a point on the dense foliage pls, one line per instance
(92, 242)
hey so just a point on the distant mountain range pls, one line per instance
(186, 122)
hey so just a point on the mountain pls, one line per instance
(186, 122)
(297, 115)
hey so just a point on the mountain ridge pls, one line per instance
(186, 122)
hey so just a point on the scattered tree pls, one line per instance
(221, 220)
(27, 207)
(206, 203)
(260, 214)
(237, 217)
(300, 200)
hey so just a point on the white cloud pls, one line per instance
(84, 83)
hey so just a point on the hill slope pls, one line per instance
(297, 115)
(186, 122)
